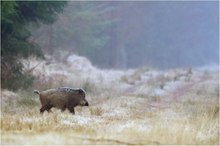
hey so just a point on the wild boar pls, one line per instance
(62, 98)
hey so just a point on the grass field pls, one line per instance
(142, 106)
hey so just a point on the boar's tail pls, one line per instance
(36, 91)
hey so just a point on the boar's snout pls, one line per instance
(87, 104)
(84, 103)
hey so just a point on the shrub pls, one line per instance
(12, 75)
(26, 99)
(91, 87)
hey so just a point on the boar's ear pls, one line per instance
(81, 92)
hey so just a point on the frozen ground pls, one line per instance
(139, 106)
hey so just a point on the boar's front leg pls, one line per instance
(71, 109)
(63, 108)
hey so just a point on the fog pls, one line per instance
(124, 34)
(149, 70)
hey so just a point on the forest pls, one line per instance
(162, 34)
(150, 71)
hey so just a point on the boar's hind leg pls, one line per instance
(49, 109)
(46, 107)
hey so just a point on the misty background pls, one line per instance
(150, 71)
(133, 34)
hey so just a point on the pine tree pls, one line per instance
(16, 16)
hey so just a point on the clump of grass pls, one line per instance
(26, 98)
(189, 102)
(159, 81)
(135, 76)
(152, 98)
(155, 98)
(184, 74)
(217, 91)
(125, 79)
(97, 111)
(22, 100)
(201, 91)
(27, 101)
(213, 112)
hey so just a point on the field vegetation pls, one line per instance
(137, 106)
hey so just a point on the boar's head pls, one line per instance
(82, 97)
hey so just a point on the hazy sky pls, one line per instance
(185, 31)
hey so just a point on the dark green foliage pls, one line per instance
(16, 16)
(38, 11)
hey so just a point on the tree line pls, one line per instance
(119, 34)
(112, 34)
(16, 18)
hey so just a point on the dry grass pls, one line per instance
(121, 120)
(180, 112)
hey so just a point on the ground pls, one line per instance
(139, 106)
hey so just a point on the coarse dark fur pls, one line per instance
(62, 98)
